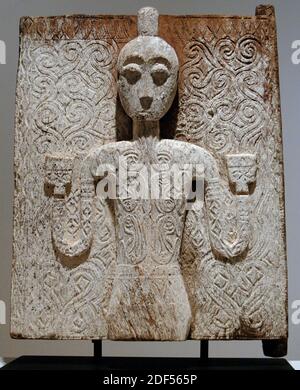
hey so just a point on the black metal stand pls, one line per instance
(142, 365)
(97, 348)
(151, 365)
(204, 350)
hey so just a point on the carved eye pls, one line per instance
(160, 74)
(132, 73)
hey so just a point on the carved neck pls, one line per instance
(145, 129)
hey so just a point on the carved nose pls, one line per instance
(146, 102)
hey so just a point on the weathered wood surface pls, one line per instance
(227, 103)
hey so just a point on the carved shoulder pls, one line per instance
(184, 152)
(105, 156)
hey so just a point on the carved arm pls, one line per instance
(59, 175)
(242, 173)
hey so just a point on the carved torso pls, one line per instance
(149, 228)
(149, 232)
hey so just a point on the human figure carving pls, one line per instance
(149, 299)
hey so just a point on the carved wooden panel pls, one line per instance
(228, 103)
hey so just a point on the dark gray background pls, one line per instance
(288, 13)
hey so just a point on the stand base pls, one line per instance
(275, 348)
(141, 364)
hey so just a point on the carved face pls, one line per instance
(148, 71)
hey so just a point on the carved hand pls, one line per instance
(241, 171)
(58, 173)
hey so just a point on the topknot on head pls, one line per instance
(148, 22)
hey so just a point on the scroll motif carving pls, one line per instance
(73, 90)
(227, 101)
(222, 93)
(66, 103)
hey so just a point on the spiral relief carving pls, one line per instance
(76, 86)
(66, 104)
(222, 84)
(224, 108)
